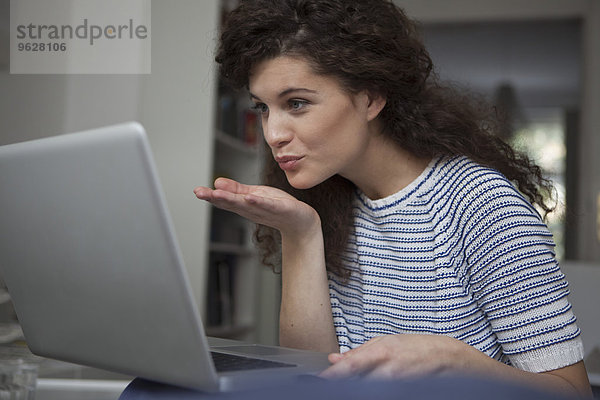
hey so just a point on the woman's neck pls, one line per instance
(385, 168)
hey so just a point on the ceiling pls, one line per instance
(540, 59)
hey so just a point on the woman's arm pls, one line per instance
(305, 318)
(400, 356)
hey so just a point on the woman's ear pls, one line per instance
(375, 104)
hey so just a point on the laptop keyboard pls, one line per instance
(229, 362)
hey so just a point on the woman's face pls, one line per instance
(315, 129)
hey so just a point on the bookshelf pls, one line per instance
(242, 296)
(234, 271)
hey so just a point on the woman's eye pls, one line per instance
(260, 108)
(296, 105)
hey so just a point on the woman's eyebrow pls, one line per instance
(286, 92)
(291, 90)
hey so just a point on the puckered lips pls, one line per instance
(288, 162)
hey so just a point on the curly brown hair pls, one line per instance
(367, 45)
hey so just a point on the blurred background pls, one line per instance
(538, 61)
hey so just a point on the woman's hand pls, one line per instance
(409, 355)
(396, 356)
(263, 205)
(305, 315)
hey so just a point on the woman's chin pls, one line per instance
(301, 186)
(301, 183)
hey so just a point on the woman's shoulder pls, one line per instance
(474, 188)
(449, 185)
(461, 175)
(461, 171)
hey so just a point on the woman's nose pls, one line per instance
(276, 131)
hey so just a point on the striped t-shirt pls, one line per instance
(458, 252)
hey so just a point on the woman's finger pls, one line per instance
(232, 186)
(348, 365)
(335, 357)
(260, 204)
(203, 193)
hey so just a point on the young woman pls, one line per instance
(406, 231)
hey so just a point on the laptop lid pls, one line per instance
(89, 255)
(85, 243)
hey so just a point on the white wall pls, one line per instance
(177, 108)
(589, 162)
(31, 106)
(175, 103)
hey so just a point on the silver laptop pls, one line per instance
(89, 255)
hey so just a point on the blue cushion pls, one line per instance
(429, 388)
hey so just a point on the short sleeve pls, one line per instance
(516, 280)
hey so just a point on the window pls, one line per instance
(542, 138)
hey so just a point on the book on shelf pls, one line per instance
(227, 227)
(237, 119)
(221, 276)
(251, 128)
